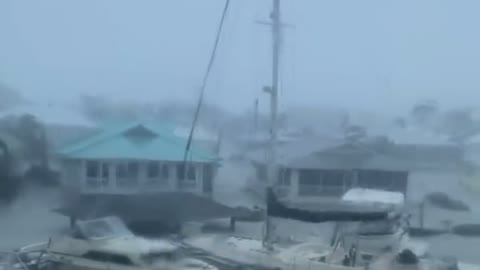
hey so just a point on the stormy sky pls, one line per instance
(363, 54)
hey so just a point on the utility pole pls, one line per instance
(273, 91)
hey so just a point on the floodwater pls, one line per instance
(30, 219)
(232, 191)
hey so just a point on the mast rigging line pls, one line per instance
(204, 82)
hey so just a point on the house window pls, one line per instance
(165, 172)
(132, 170)
(121, 171)
(181, 172)
(320, 182)
(93, 169)
(153, 170)
(333, 182)
(191, 172)
(105, 172)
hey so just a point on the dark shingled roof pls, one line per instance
(173, 206)
(350, 156)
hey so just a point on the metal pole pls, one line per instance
(272, 173)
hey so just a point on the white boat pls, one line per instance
(388, 234)
(308, 256)
(103, 244)
(251, 252)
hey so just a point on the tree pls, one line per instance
(400, 122)
(355, 133)
(33, 135)
(345, 120)
(9, 184)
(382, 144)
(424, 111)
(9, 97)
(458, 124)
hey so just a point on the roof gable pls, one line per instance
(140, 131)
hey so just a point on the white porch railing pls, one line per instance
(144, 186)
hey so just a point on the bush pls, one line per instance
(9, 187)
(9, 184)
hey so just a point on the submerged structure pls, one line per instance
(137, 172)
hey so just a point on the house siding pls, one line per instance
(74, 175)
(423, 182)
(304, 186)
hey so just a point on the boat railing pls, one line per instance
(12, 260)
(36, 247)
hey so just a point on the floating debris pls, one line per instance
(442, 200)
(467, 230)
(425, 232)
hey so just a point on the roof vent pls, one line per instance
(140, 132)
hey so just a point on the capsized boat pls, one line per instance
(103, 244)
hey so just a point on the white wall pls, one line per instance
(71, 173)
(426, 181)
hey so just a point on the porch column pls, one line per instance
(294, 183)
(174, 175)
(199, 177)
(112, 175)
(355, 178)
(73, 221)
(142, 174)
(83, 175)
(171, 184)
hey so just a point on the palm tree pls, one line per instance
(33, 135)
(8, 183)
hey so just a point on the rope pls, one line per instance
(205, 80)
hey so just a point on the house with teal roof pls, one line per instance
(137, 158)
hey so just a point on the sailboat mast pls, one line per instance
(275, 75)
(273, 91)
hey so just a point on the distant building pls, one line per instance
(328, 171)
(63, 124)
(412, 136)
(331, 172)
(206, 138)
(284, 155)
(437, 163)
(136, 158)
(16, 152)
